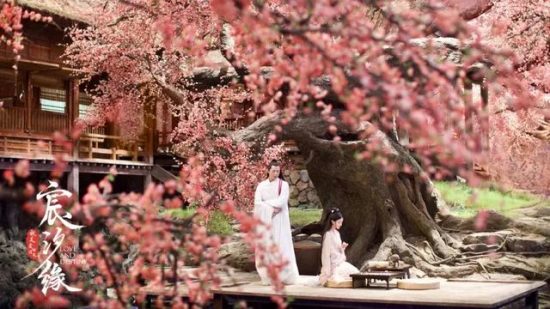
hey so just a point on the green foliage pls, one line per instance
(302, 216)
(466, 201)
(178, 213)
(14, 265)
(219, 223)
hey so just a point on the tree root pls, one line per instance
(425, 224)
(446, 271)
(531, 268)
(421, 255)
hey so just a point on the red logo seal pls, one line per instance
(32, 240)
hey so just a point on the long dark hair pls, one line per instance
(334, 214)
(276, 163)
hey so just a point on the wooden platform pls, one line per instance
(452, 294)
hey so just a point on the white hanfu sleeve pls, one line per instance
(262, 210)
(326, 270)
(282, 200)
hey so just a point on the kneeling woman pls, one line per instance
(333, 256)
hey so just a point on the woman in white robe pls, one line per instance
(334, 267)
(271, 207)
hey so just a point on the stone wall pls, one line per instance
(302, 191)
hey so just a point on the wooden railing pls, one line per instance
(12, 118)
(28, 146)
(93, 147)
(46, 122)
(98, 130)
(236, 123)
(90, 146)
(108, 147)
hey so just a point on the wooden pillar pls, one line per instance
(72, 108)
(147, 180)
(68, 104)
(71, 88)
(27, 88)
(150, 124)
(166, 119)
(74, 179)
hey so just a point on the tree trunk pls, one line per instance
(381, 209)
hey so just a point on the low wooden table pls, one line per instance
(401, 268)
(358, 280)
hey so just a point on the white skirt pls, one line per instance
(342, 272)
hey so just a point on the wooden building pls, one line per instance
(43, 96)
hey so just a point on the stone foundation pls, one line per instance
(302, 191)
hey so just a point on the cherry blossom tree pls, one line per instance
(11, 18)
(519, 139)
(10, 23)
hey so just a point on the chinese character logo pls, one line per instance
(51, 275)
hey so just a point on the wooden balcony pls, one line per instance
(234, 124)
(101, 147)
(90, 147)
(36, 142)
(21, 145)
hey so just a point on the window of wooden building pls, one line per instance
(84, 104)
(49, 100)
(52, 100)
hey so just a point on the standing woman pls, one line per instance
(271, 207)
